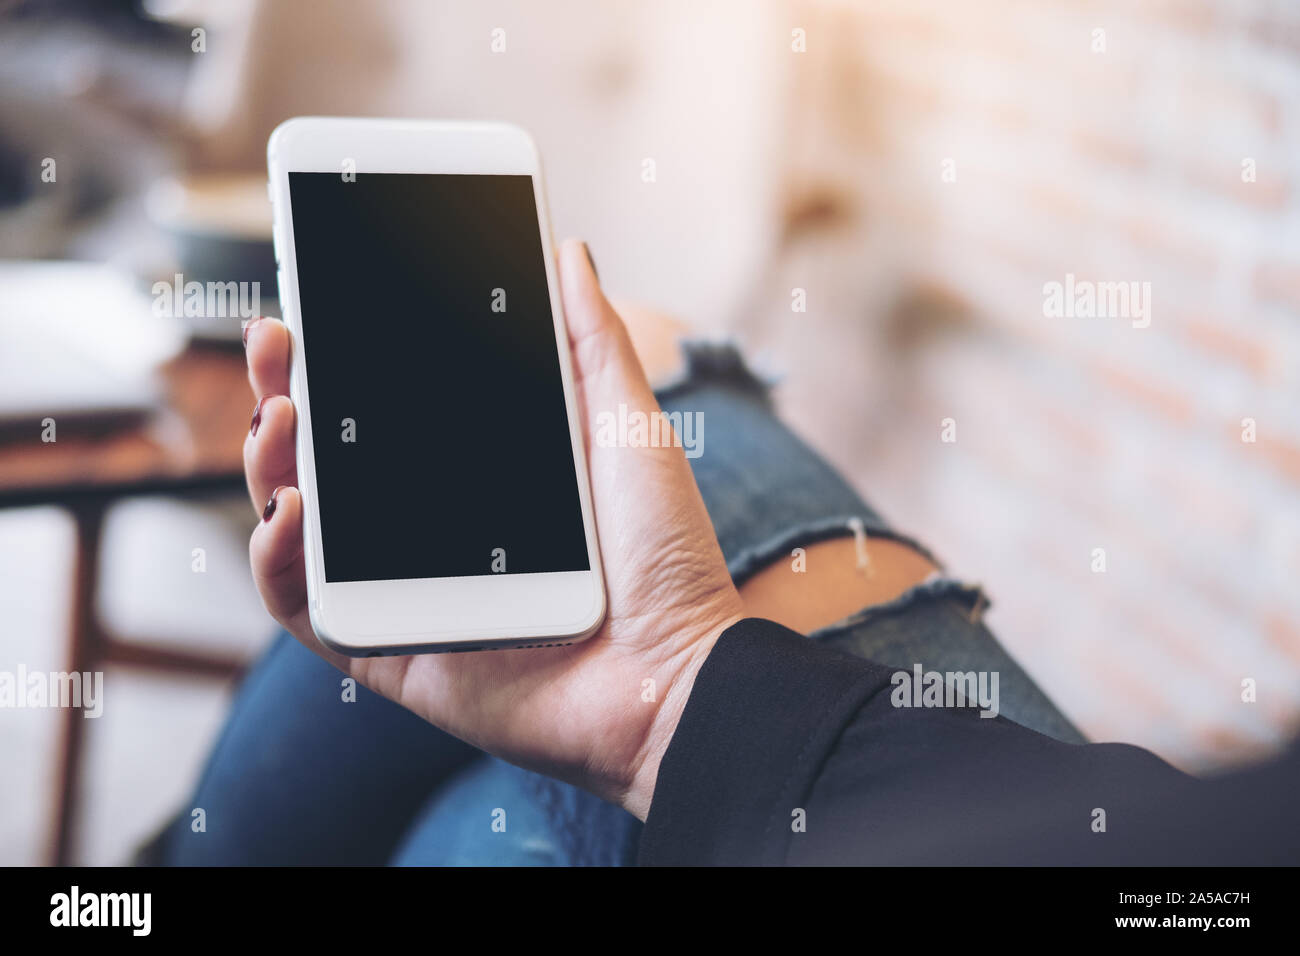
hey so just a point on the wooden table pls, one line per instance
(193, 445)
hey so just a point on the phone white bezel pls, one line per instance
(366, 618)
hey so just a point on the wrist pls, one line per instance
(644, 769)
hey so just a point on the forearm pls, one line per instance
(787, 752)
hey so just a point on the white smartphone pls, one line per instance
(439, 446)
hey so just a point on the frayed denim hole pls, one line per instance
(717, 362)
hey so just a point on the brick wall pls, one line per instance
(948, 159)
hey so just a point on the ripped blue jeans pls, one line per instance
(298, 778)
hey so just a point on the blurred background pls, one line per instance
(919, 168)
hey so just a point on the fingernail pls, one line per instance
(248, 326)
(269, 510)
(587, 250)
(257, 416)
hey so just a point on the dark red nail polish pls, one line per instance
(257, 416)
(269, 510)
(248, 327)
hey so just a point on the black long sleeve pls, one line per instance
(791, 753)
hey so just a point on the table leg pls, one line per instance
(83, 646)
(91, 648)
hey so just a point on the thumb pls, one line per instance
(605, 364)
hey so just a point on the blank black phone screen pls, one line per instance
(437, 408)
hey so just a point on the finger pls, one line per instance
(269, 449)
(267, 345)
(276, 556)
(605, 364)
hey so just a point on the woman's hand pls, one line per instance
(576, 712)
